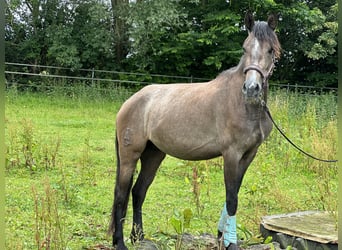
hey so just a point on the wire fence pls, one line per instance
(42, 77)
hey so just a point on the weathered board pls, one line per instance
(309, 228)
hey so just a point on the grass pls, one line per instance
(60, 172)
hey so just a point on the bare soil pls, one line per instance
(190, 242)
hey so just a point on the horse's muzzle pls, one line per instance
(252, 90)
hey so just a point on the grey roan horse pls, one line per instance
(223, 117)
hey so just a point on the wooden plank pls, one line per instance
(311, 225)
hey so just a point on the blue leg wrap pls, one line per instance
(227, 225)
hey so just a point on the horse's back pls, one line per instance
(160, 98)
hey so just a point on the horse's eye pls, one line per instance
(270, 51)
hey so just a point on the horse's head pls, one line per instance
(261, 48)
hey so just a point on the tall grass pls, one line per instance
(60, 171)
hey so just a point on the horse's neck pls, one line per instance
(233, 81)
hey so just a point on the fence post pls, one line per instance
(92, 77)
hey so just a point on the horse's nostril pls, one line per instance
(244, 88)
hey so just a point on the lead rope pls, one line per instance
(263, 103)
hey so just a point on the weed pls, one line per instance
(181, 222)
(196, 182)
(28, 144)
(48, 221)
(199, 176)
(12, 149)
(247, 237)
(50, 153)
(24, 149)
(86, 163)
(64, 185)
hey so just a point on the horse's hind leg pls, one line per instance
(124, 178)
(151, 159)
(122, 191)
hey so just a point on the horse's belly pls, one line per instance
(184, 149)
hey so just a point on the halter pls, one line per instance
(265, 75)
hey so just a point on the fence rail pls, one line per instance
(117, 78)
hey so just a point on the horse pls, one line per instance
(196, 121)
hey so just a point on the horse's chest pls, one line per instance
(254, 133)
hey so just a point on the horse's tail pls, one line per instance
(111, 228)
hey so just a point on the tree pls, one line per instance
(119, 9)
(322, 53)
(183, 37)
(309, 38)
(71, 33)
(93, 35)
(151, 24)
(27, 22)
(217, 35)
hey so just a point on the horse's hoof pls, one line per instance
(232, 247)
(120, 247)
(135, 238)
(220, 242)
(147, 245)
(219, 235)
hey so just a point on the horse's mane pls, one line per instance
(263, 32)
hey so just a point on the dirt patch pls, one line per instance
(191, 242)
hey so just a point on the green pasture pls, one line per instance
(60, 172)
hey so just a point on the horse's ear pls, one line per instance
(249, 21)
(272, 21)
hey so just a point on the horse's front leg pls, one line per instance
(227, 223)
(234, 170)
